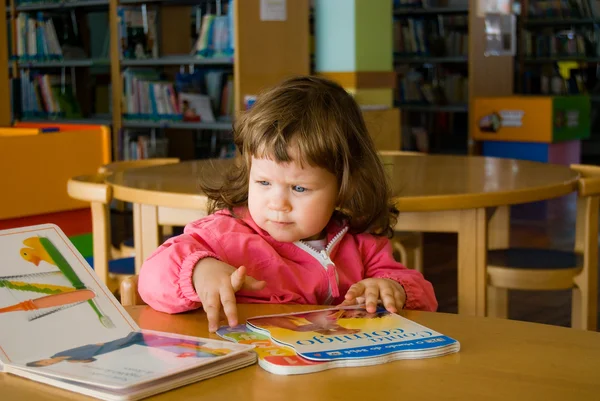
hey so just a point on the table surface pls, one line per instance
(419, 183)
(499, 360)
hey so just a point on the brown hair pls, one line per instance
(317, 120)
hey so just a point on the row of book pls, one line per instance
(139, 145)
(38, 2)
(138, 27)
(411, 4)
(552, 83)
(417, 36)
(563, 8)
(37, 38)
(147, 95)
(46, 95)
(567, 43)
(415, 88)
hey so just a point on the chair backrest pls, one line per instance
(586, 235)
(91, 188)
(129, 292)
(116, 167)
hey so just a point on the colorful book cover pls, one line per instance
(352, 333)
(62, 326)
(282, 360)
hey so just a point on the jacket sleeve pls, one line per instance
(165, 280)
(380, 263)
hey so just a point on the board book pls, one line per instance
(313, 341)
(62, 326)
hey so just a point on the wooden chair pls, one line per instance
(407, 246)
(129, 292)
(545, 269)
(93, 189)
(127, 247)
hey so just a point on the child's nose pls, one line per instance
(279, 203)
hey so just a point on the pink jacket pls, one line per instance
(294, 272)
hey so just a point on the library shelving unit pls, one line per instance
(265, 52)
(559, 54)
(68, 60)
(431, 59)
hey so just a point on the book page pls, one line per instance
(51, 303)
(136, 358)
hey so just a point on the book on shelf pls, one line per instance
(61, 326)
(138, 28)
(313, 341)
(540, 9)
(215, 38)
(47, 95)
(198, 96)
(196, 107)
(37, 39)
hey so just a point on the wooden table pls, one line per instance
(433, 193)
(499, 360)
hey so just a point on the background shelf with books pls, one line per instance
(559, 54)
(171, 84)
(203, 71)
(59, 61)
(172, 52)
(431, 54)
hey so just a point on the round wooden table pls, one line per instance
(462, 194)
(499, 360)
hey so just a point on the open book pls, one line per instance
(306, 342)
(61, 326)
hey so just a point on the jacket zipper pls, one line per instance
(323, 257)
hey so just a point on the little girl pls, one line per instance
(303, 217)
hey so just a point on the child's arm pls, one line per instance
(165, 281)
(379, 263)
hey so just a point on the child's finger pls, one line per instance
(355, 290)
(211, 306)
(229, 305)
(400, 299)
(389, 302)
(237, 278)
(241, 280)
(371, 298)
(252, 284)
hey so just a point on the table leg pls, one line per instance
(472, 258)
(498, 238)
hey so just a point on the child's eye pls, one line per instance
(298, 188)
(264, 183)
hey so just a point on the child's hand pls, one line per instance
(371, 290)
(216, 284)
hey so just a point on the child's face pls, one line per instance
(289, 202)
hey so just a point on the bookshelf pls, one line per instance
(559, 54)
(255, 41)
(431, 58)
